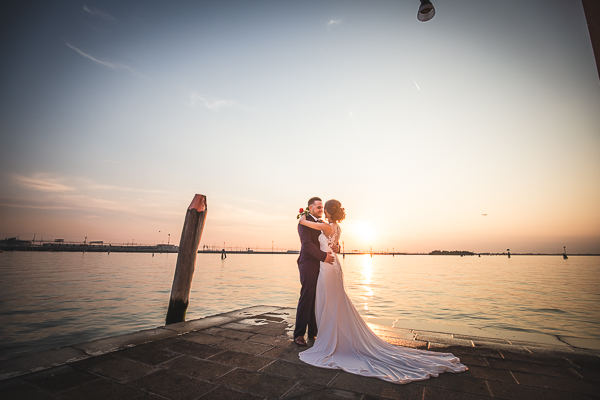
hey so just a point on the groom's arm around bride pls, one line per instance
(308, 244)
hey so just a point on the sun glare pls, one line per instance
(364, 231)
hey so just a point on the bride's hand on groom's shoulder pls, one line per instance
(303, 218)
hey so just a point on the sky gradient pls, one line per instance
(114, 114)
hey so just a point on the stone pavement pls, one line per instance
(248, 354)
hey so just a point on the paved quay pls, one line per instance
(249, 354)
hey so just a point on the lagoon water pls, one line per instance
(49, 300)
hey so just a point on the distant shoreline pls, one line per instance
(82, 248)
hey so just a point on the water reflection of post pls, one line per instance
(565, 253)
(186, 259)
(508, 252)
(343, 251)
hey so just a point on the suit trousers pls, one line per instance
(305, 314)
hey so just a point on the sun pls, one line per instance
(364, 231)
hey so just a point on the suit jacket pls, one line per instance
(310, 252)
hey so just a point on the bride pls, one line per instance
(344, 341)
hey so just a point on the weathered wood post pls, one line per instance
(186, 259)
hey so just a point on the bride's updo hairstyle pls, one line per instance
(335, 210)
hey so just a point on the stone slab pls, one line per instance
(225, 393)
(107, 345)
(532, 367)
(262, 384)
(376, 387)
(202, 369)
(270, 340)
(19, 390)
(582, 343)
(574, 385)
(244, 346)
(303, 372)
(180, 346)
(173, 385)
(458, 383)
(241, 360)
(467, 332)
(310, 391)
(115, 368)
(228, 333)
(202, 338)
(149, 354)
(198, 324)
(39, 361)
(58, 379)
(251, 311)
(434, 393)
(504, 390)
(446, 339)
(101, 389)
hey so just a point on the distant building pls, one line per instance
(14, 242)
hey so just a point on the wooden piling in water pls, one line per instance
(186, 259)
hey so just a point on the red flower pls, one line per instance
(302, 212)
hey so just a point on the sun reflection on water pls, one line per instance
(367, 275)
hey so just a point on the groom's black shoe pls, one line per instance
(300, 341)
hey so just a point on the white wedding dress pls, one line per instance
(344, 341)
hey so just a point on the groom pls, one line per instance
(308, 264)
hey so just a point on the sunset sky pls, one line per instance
(113, 114)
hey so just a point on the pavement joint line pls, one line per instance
(211, 390)
(261, 368)
(571, 362)
(220, 376)
(514, 377)
(576, 373)
(336, 375)
(289, 390)
(488, 388)
(260, 354)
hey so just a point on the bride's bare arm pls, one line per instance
(319, 226)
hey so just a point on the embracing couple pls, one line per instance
(342, 339)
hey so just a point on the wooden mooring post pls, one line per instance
(186, 259)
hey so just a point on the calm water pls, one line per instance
(50, 300)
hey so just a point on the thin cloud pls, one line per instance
(417, 85)
(43, 183)
(99, 186)
(215, 105)
(101, 14)
(104, 63)
(35, 207)
(333, 22)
